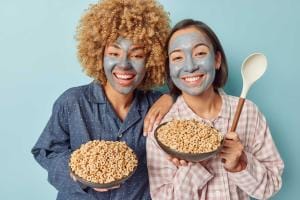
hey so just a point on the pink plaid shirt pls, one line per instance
(261, 178)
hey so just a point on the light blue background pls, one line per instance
(38, 62)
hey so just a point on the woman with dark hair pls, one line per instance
(221, 74)
(248, 164)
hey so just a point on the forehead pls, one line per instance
(125, 44)
(188, 38)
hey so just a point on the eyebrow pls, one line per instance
(200, 44)
(197, 45)
(115, 46)
(174, 51)
(136, 48)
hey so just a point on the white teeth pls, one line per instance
(124, 76)
(191, 79)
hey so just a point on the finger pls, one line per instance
(148, 119)
(146, 124)
(229, 143)
(101, 189)
(227, 150)
(115, 187)
(73, 177)
(233, 146)
(220, 155)
(151, 121)
(232, 136)
(175, 161)
(158, 119)
(183, 162)
(225, 156)
(169, 158)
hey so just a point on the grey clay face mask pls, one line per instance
(119, 70)
(192, 75)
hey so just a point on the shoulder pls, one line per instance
(148, 95)
(72, 96)
(176, 111)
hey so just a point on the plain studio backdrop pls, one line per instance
(38, 62)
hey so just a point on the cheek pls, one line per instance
(175, 69)
(109, 63)
(207, 64)
(139, 66)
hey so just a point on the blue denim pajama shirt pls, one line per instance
(82, 114)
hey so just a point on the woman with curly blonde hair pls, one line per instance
(121, 46)
(142, 21)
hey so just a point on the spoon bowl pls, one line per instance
(253, 67)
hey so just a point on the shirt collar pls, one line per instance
(225, 109)
(96, 94)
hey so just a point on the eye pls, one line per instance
(113, 50)
(113, 54)
(137, 53)
(137, 56)
(200, 54)
(177, 58)
(200, 51)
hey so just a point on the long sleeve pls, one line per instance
(262, 177)
(52, 150)
(169, 182)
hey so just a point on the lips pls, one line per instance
(193, 79)
(124, 78)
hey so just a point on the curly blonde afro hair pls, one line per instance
(142, 21)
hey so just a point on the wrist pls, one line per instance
(241, 165)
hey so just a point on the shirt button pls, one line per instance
(120, 135)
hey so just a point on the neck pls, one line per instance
(206, 105)
(120, 102)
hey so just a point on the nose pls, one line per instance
(189, 65)
(125, 64)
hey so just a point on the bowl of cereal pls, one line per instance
(189, 139)
(103, 164)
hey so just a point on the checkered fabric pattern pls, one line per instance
(261, 179)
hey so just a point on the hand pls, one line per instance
(157, 111)
(232, 152)
(178, 162)
(97, 189)
(73, 177)
(106, 189)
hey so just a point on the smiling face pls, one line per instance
(124, 65)
(192, 61)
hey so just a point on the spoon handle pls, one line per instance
(237, 114)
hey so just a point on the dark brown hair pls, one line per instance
(221, 74)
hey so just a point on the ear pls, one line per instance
(218, 60)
